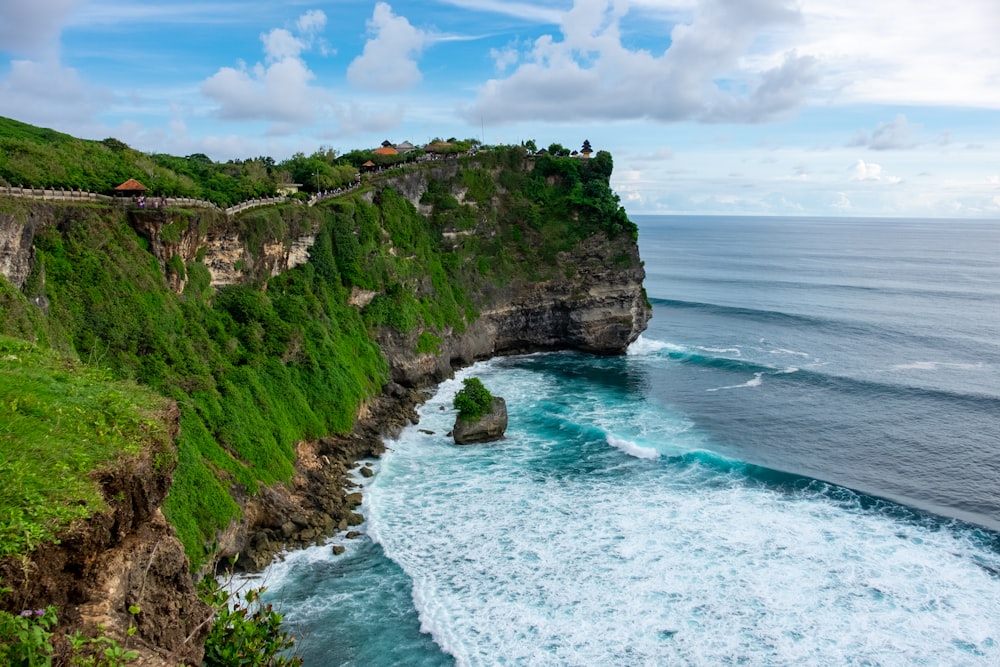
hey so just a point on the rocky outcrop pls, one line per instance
(485, 428)
(17, 234)
(320, 500)
(218, 242)
(125, 556)
(599, 307)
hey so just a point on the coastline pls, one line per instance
(320, 500)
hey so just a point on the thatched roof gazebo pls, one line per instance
(368, 166)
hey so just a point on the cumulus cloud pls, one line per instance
(505, 58)
(388, 62)
(905, 52)
(51, 95)
(33, 28)
(278, 89)
(277, 92)
(870, 171)
(897, 134)
(703, 73)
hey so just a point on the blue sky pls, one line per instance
(759, 107)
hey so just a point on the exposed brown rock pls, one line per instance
(486, 428)
(118, 558)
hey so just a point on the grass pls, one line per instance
(59, 422)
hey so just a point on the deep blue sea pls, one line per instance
(798, 463)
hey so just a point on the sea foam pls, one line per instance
(552, 552)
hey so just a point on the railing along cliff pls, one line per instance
(53, 194)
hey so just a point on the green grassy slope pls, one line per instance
(257, 366)
(60, 421)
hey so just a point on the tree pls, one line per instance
(558, 150)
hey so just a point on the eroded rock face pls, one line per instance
(595, 303)
(125, 556)
(17, 235)
(488, 428)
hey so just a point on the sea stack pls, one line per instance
(488, 427)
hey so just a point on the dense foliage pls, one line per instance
(41, 158)
(252, 371)
(26, 640)
(473, 400)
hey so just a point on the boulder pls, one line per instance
(487, 428)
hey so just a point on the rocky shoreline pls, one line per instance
(601, 310)
(321, 499)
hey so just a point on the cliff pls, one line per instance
(293, 338)
(93, 541)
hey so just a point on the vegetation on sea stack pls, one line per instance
(473, 400)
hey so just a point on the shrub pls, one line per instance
(246, 632)
(26, 641)
(473, 400)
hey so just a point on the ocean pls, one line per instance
(798, 463)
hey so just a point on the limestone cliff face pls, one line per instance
(596, 303)
(209, 235)
(17, 233)
(219, 242)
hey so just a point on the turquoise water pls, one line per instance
(798, 463)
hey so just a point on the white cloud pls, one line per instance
(388, 62)
(897, 134)
(32, 27)
(312, 22)
(278, 90)
(52, 95)
(589, 73)
(280, 44)
(871, 171)
(533, 12)
(866, 171)
(505, 58)
(905, 52)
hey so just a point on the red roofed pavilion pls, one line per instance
(131, 185)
